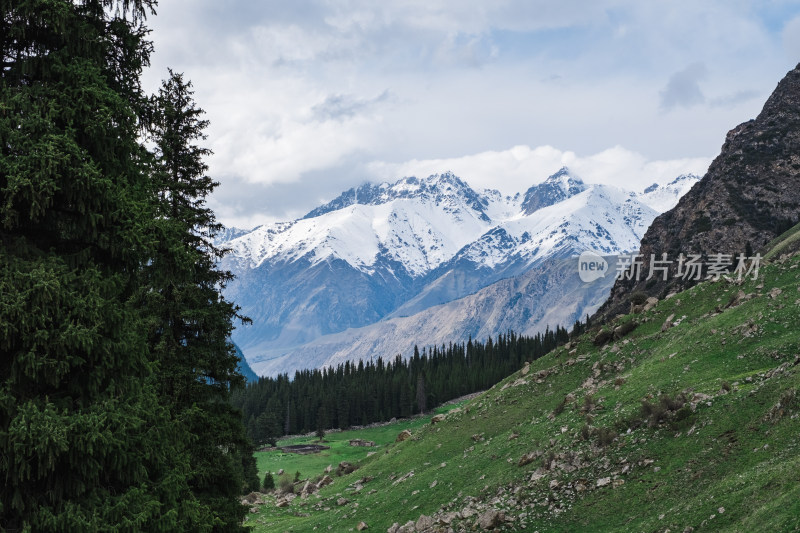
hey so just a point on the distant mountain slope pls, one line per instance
(549, 294)
(394, 250)
(749, 195)
(245, 368)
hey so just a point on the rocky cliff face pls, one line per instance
(750, 194)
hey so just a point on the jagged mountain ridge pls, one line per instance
(397, 249)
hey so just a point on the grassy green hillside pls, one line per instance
(692, 420)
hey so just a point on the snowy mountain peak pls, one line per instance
(446, 189)
(556, 188)
(664, 197)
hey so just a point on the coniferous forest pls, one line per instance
(115, 362)
(376, 391)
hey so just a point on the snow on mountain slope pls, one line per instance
(418, 223)
(388, 251)
(601, 218)
(664, 198)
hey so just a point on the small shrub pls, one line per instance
(605, 436)
(560, 407)
(681, 418)
(619, 382)
(654, 413)
(297, 476)
(548, 460)
(672, 404)
(586, 432)
(624, 424)
(269, 482)
(638, 298)
(726, 386)
(286, 485)
(666, 407)
(588, 404)
(623, 329)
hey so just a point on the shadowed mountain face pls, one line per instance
(750, 195)
(554, 189)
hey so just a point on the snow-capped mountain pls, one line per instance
(418, 224)
(380, 252)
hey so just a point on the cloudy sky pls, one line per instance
(308, 98)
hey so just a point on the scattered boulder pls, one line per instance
(491, 519)
(603, 337)
(603, 481)
(308, 488)
(528, 458)
(403, 435)
(342, 501)
(329, 469)
(408, 527)
(403, 478)
(326, 480)
(424, 522)
(526, 369)
(667, 323)
(437, 418)
(538, 474)
(345, 468)
(362, 526)
(650, 303)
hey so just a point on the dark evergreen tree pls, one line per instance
(86, 443)
(190, 321)
(269, 482)
(422, 396)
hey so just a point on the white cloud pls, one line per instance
(307, 95)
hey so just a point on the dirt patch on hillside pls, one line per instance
(304, 449)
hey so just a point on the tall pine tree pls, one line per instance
(86, 444)
(190, 320)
